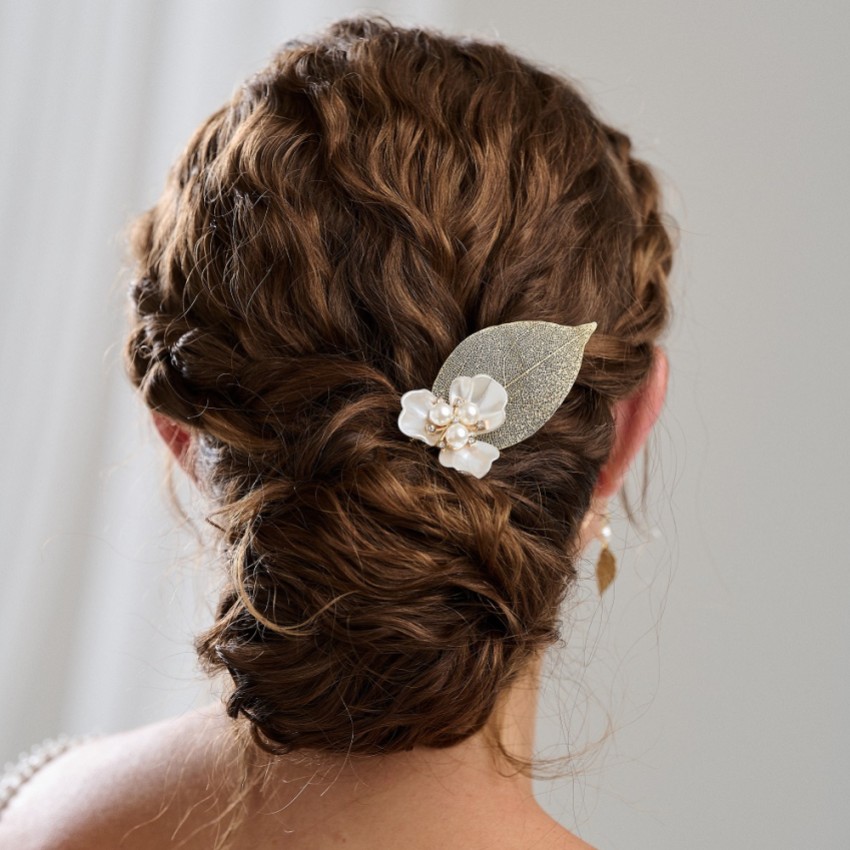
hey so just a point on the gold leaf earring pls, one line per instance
(606, 566)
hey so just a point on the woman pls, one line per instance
(375, 208)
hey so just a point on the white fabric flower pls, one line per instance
(476, 405)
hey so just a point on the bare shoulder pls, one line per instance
(551, 835)
(123, 790)
(172, 783)
(567, 841)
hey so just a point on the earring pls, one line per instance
(606, 566)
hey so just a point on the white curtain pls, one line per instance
(730, 710)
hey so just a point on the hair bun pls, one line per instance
(359, 618)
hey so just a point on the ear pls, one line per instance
(177, 438)
(633, 417)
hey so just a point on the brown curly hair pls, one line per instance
(359, 207)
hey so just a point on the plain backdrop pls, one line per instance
(715, 670)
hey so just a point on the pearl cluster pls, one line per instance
(457, 421)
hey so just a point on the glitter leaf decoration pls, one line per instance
(535, 361)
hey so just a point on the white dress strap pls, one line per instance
(15, 774)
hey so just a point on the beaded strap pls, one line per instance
(15, 774)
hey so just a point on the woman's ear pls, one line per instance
(177, 438)
(634, 417)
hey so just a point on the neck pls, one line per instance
(421, 789)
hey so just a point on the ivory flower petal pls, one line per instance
(486, 393)
(412, 420)
(475, 458)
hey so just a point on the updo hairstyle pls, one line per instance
(360, 206)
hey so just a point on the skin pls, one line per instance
(161, 785)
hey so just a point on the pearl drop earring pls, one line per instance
(606, 566)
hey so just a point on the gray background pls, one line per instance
(715, 670)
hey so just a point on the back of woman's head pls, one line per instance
(326, 239)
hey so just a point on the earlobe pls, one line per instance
(634, 417)
(177, 438)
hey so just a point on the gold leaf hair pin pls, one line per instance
(505, 381)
